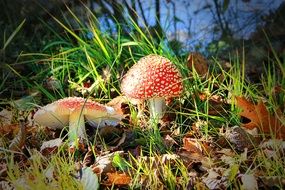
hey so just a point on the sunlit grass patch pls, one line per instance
(158, 171)
(42, 173)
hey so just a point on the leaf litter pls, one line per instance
(260, 118)
(210, 165)
(213, 162)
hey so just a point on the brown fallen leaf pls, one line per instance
(50, 147)
(195, 145)
(260, 118)
(169, 141)
(117, 178)
(20, 139)
(240, 139)
(199, 62)
(190, 158)
(11, 129)
(192, 145)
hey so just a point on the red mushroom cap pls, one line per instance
(152, 76)
(77, 103)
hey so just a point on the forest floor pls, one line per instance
(222, 132)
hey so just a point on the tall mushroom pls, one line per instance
(153, 78)
(73, 111)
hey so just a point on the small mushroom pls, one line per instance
(153, 78)
(73, 111)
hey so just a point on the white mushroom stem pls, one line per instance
(76, 127)
(157, 107)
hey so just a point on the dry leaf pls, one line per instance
(199, 62)
(226, 152)
(273, 148)
(273, 144)
(169, 141)
(103, 164)
(272, 181)
(89, 157)
(195, 145)
(192, 145)
(189, 158)
(249, 182)
(20, 139)
(240, 138)
(5, 117)
(89, 179)
(228, 159)
(167, 158)
(49, 173)
(216, 179)
(50, 146)
(260, 117)
(117, 178)
(11, 129)
(5, 185)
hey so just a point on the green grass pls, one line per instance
(153, 172)
(73, 58)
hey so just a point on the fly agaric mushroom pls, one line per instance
(153, 78)
(73, 111)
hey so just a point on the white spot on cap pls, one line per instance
(110, 110)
